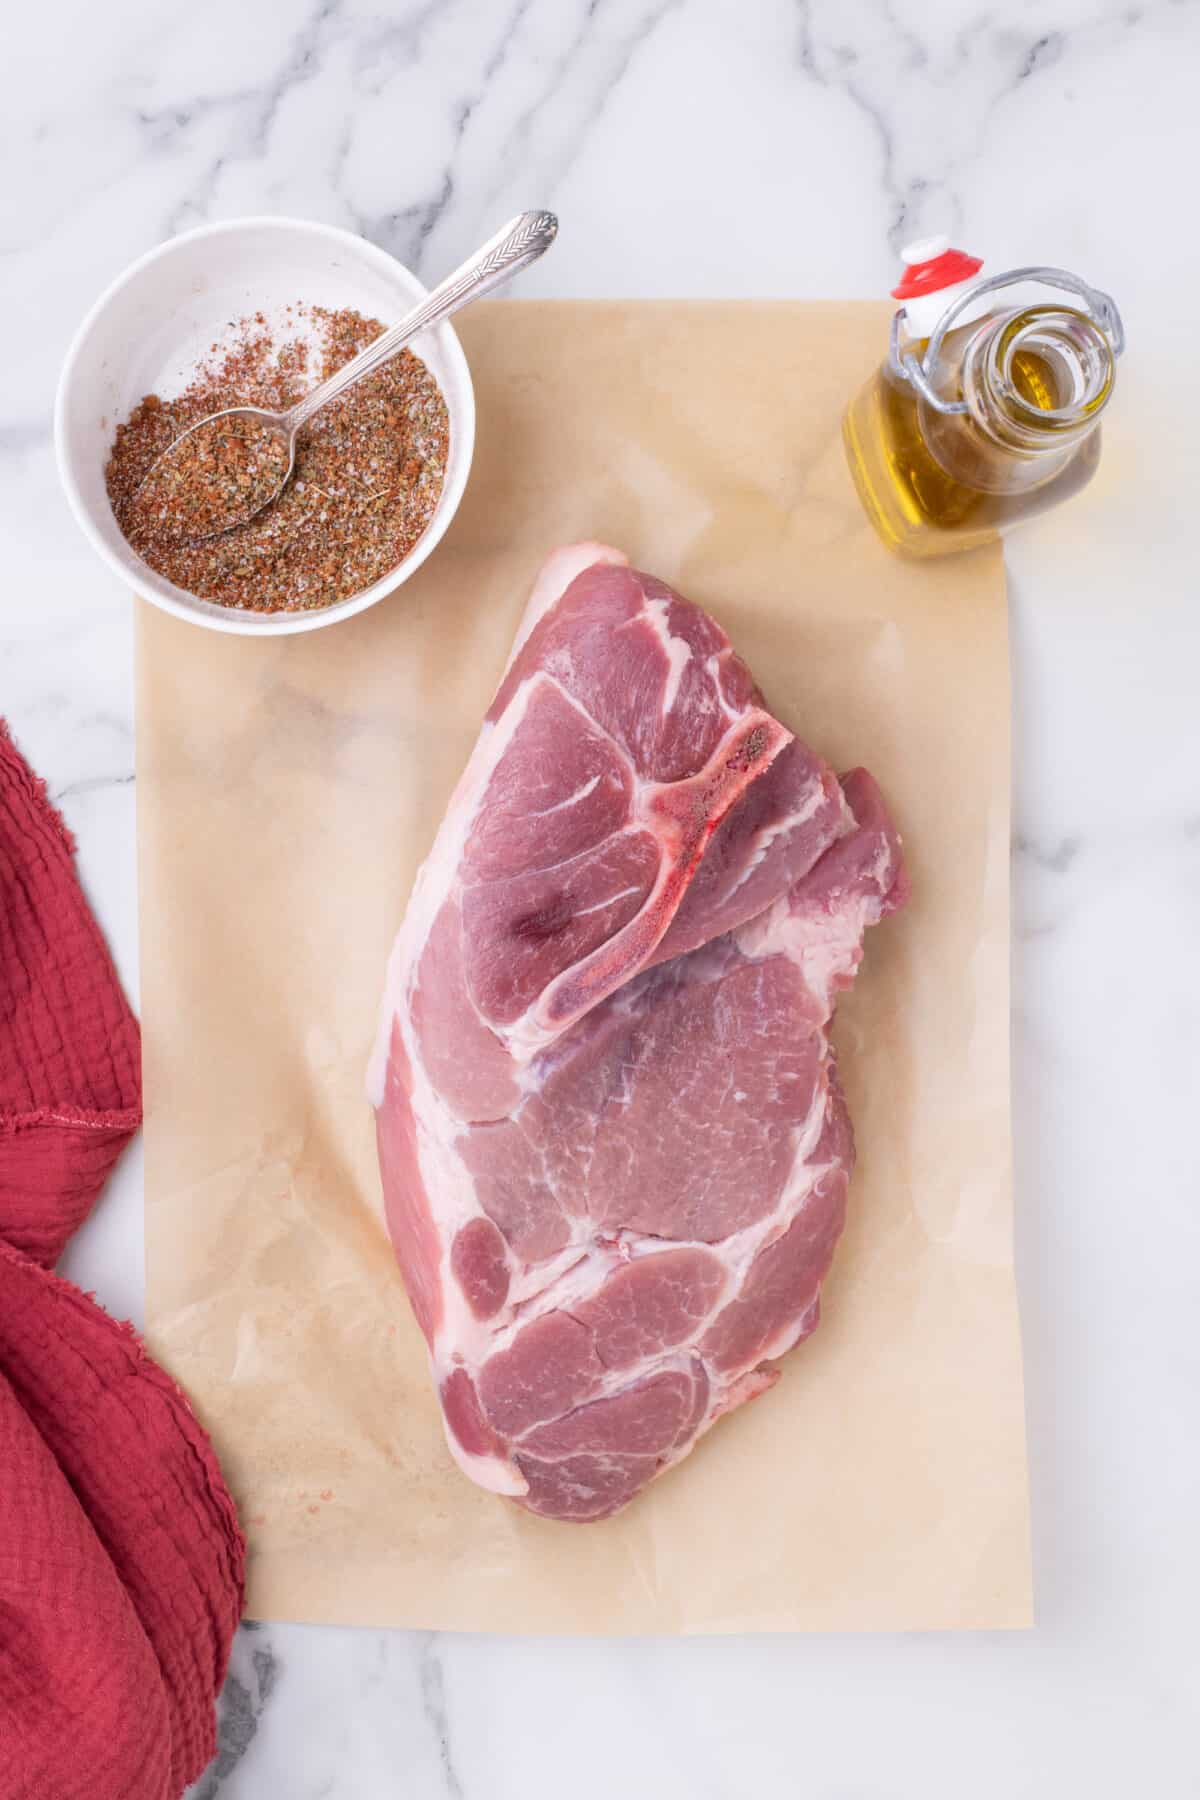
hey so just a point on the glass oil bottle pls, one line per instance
(987, 408)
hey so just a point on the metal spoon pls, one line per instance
(513, 248)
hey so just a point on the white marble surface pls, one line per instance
(697, 147)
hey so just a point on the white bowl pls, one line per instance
(154, 324)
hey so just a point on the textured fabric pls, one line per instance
(121, 1561)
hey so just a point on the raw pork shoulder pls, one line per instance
(614, 1148)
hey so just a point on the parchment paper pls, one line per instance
(287, 792)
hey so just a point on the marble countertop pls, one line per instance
(696, 148)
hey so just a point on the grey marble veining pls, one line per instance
(248, 1688)
(697, 147)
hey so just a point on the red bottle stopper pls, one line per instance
(934, 277)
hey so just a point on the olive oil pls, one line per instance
(978, 426)
(1034, 381)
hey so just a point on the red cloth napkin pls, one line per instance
(121, 1561)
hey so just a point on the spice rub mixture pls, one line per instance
(212, 478)
(368, 475)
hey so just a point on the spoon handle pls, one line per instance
(514, 247)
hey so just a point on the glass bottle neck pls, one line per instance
(1037, 379)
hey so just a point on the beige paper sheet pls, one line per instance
(287, 792)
